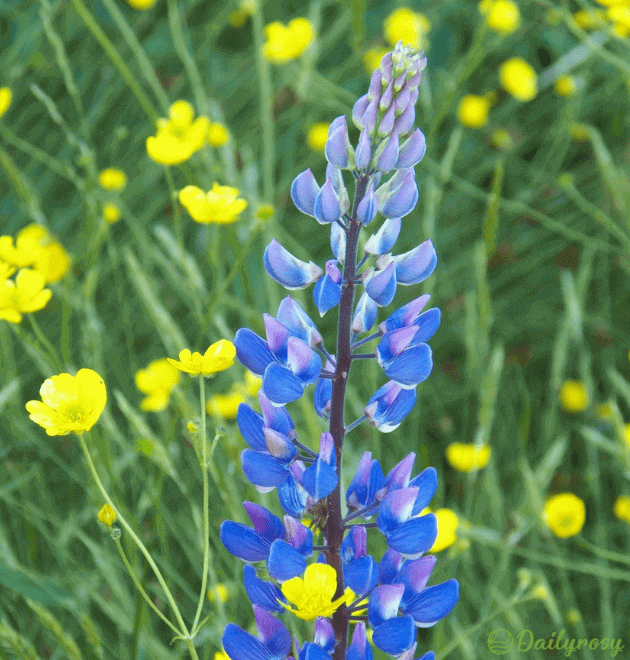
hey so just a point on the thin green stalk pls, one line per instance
(140, 589)
(44, 341)
(206, 513)
(176, 212)
(138, 542)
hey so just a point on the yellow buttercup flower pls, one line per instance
(107, 515)
(612, 3)
(218, 134)
(48, 256)
(221, 655)
(225, 405)
(220, 205)
(447, 522)
(25, 294)
(519, 79)
(620, 15)
(218, 593)
(565, 86)
(70, 404)
(265, 211)
(112, 179)
(473, 111)
(502, 16)
(372, 59)
(141, 4)
(565, 514)
(6, 270)
(218, 357)
(573, 396)
(313, 594)
(621, 508)
(408, 26)
(287, 42)
(317, 136)
(467, 458)
(111, 213)
(5, 99)
(177, 137)
(589, 20)
(157, 381)
(253, 383)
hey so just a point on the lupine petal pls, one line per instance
(338, 146)
(393, 344)
(284, 561)
(417, 264)
(361, 575)
(299, 536)
(363, 151)
(365, 314)
(276, 417)
(261, 593)
(243, 542)
(388, 407)
(389, 566)
(303, 361)
(314, 652)
(354, 546)
(272, 633)
(415, 575)
(403, 200)
(265, 523)
(395, 509)
(404, 123)
(381, 286)
(277, 337)
(426, 483)
(279, 446)
(338, 242)
(434, 603)
(299, 323)
(250, 424)
(405, 315)
(411, 367)
(412, 150)
(327, 207)
(383, 241)
(358, 109)
(388, 157)
(304, 190)
(252, 351)
(319, 480)
(240, 645)
(334, 174)
(399, 475)
(292, 496)
(368, 206)
(324, 635)
(359, 649)
(386, 126)
(288, 270)
(395, 636)
(262, 469)
(327, 290)
(384, 603)
(370, 115)
(322, 397)
(280, 385)
(414, 537)
(427, 325)
(366, 483)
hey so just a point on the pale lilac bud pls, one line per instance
(383, 241)
(386, 69)
(359, 109)
(338, 150)
(363, 151)
(338, 242)
(327, 208)
(412, 150)
(402, 100)
(386, 98)
(388, 156)
(288, 270)
(400, 81)
(370, 115)
(334, 174)
(387, 123)
(404, 123)
(414, 81)
(368, 206)
(376, 86)
(399, 195)
(364, 315)
(304, 189)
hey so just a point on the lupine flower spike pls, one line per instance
(391, 592)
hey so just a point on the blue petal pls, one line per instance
(383, 241)
(412, 150)
(395, 509)
(250, 424)
(381, 286)
(243, 542)
(261, 593)
(364, 314)
(292, 497)
(417, 264)
(299, 536)
(279, 446)
(386, 413)
(411, 367)
(368, 206)
(284, 561)
(363, 152)
(272, 633)
(389, 155)
(426, 482)
(319, 480)
(262, 469)
(304, 189)
(240, 645)
(288, 270)
(338, 146)
(327, 291)
(338, 242)
(270, 527)
(395, 636)
(427, 325)
(313, 652)
(360, 648)
(299, 323)
(303, 361)
(403, 199)
(276, 417)
(252, 351)
(322, 397)
(361, 575)
(280, 385)
(327, 207)
(414, 537)
(405, 315)
(434, 603)
(384, 603)
(389, 566)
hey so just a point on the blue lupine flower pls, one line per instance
(327, 290)
(327, 207)
(380, 284)
(273, 643)
(262, 593)
(404, 360)
(366, 484)
(392, 634)
(416, 265)
(304, 190)
(288, 270)
(383, 241)
(320, 479)
(389, 405)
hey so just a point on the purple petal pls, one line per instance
(404, 123)
(364, 314)
(398, 476)
(261, 593)
(337, 144)
(280, 385)
(360, 648)
(284, 561)
(359, 108)
(415, 575)
(277, 336)
(395, 636)
(354, 546)
(300, 324)
(403, 200)
(270, 527)
(405, 315)
(396, 508)
(243, 542)
(276, 417)
(322, 397)
(414, 537)
(363, 152)
(386, 97)
(338, 242)
(384, 603)
(279, 446)
(240, 645)
(388, 407)
(412, 150)
(427, 325)
(389, 155)
(386, 126)
(324, 634)
(411, 367)
(393, 344)
(303, 361)
(381, 286)
(299, 536)
(288, 270)
(368, 206)
(334, 174)
(434, 603)
(327, 207)
(304, 190)
(327, 290)
(252, 351)
(389, 566)
(262, 469)
(272, 633)
(383, 241)
(417, 264)
(370, 115)
(327, 448)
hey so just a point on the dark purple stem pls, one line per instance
(337, 429)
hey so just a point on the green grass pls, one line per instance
(532, 281)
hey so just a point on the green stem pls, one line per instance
(206, 513)
(140, 589)
(44, 341)
(174, 203)
(137, 541)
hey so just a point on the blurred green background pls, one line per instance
(533, 282)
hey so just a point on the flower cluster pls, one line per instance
(389, 593)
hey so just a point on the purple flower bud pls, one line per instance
(386, 97)
(359, 109)
(338, 242)
(327, 291)
(388, 406)
(288, 270)
(400, 195)
(324, 635)
(383, 241)
(354, 546)
(417, 264)
(415, 80)
(368, 206)
(327, 448)
(366, 483)
(370, 115)
(363, 151)
(300, 324)
(402, 100)
(389, 154)
(412, 150)
(387, 123)
(376, 88)
(381, 285)
(393, 344)
(386, 69)
(404, 123)
(334, 174)
(360, 647)
(277, 335)
(400, 81)
(338, 149)
(304, 189)
(364, 314)
(327, 207)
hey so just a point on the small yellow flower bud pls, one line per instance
(111, 213)
(5, 99)
(107, 515)
(565, 86)
(317, 136)
(473, 111)
(565, 514)
(112, 179)
(573, 616)
(573, 396)
(519, 79)
(218, 134)
(265, 211)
